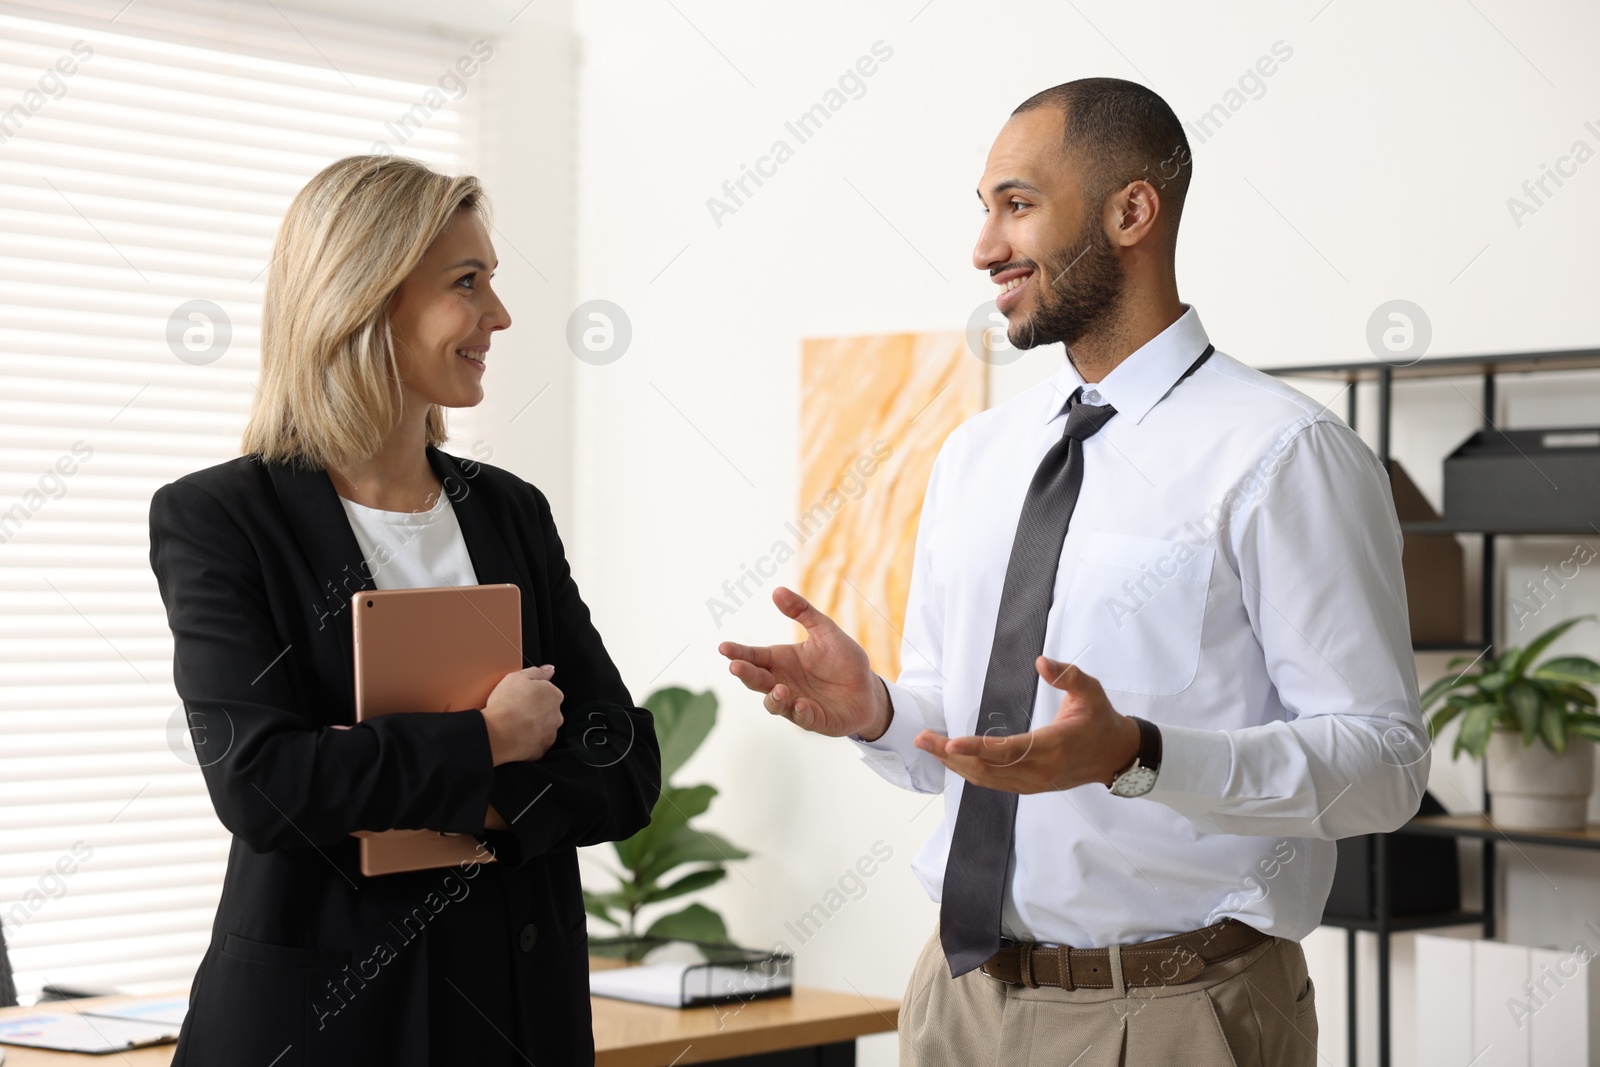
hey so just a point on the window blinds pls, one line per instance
(147, 153)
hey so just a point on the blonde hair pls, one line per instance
(330, 385)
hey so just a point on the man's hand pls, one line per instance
(824, 684)
(1089, 741)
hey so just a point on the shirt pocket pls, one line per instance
(1134, 611)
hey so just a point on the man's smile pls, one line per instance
(1011, 283)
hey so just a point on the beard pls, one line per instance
(1078, 292)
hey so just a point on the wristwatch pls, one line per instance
(1139, 777)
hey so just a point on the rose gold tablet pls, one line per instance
(437, 649)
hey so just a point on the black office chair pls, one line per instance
(8, 984)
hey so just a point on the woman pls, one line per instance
(378, 315)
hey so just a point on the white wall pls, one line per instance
(1376, 165)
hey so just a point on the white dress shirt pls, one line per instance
(1232, 574)
(412, 549)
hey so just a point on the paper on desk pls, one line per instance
(168, 1010)
(71, 1032)
(662, 984)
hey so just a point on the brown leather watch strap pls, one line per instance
(1149, 743)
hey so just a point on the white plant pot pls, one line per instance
(1535, 789)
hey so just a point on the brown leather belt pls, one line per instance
(1164, 961)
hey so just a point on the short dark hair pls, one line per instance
(1122, 131)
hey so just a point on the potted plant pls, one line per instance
(682, 721)
(1507, 703)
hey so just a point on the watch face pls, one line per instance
(1134, 782)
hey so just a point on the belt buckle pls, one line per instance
(1005, 943)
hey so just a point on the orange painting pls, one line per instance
(873, 412)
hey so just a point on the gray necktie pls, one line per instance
(980, 847)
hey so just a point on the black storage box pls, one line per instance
(1424, 874)
(1525, 480)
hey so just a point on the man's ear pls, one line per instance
(1132, 213)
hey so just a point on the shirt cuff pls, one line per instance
(1195, 769)
(904, 725)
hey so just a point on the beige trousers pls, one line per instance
(1255, 1010)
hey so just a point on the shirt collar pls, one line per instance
(1139, 382)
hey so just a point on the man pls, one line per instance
(1156, 652)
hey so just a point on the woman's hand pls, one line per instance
(523, 715)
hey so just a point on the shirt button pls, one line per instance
(527, 937)
(1091, 396)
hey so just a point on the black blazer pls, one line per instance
(310, 962)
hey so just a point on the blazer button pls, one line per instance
(528, 937)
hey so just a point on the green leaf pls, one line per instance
(682, 721)
(1476, 722)
(1511, 663)
(629, 851)
(1526, 701)
(1584, 726)
(1573, 696)
(694, 923)
(1441, 718)
(673, 810)
(620, 899)
(1544, 640)
(683, 802)
(598, 905)
(1439, 688)
(1554, 728)
(1578, 670)
(609, 899)
(688, 845)
(634, 895)
(689, 883)
(1492, 682)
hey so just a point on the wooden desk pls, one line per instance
(759, 1032)
(17, 1056)
(812, 1028)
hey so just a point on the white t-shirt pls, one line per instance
(412, 549)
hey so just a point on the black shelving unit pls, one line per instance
(1472, 827)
